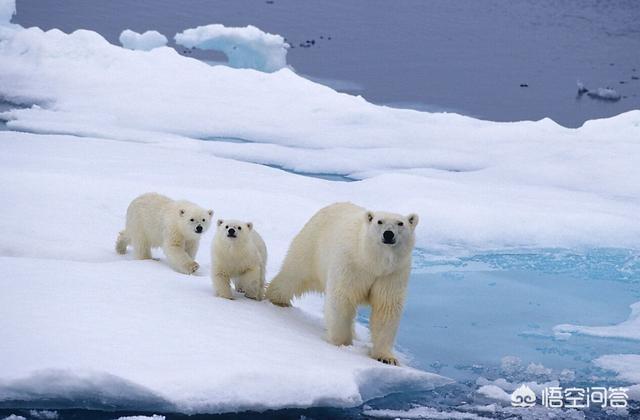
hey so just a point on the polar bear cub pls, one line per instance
(238, 253)
(355, 257)
(154, 220)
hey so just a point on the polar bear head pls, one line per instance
(193, 220)
(234, 230)
(390, 230)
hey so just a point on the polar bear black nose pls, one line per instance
(388, 237)
(231, 232)
(199, 229)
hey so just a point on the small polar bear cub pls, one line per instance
(355, 257)
(154, 220)
(238, 253)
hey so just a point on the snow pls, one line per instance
(629, 329)
(247, 47)
(145, 41)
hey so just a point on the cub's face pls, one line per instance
(234, 230)
(195, 221)
(390, 229)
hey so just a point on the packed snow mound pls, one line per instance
(102, 330)
(145, 41)
(7, 10)
(247, 47)
(629, 329)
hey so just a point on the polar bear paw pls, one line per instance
(388, 360)
(191, 267)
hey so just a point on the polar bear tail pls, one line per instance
(122, 242)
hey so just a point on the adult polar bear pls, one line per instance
(355, 257)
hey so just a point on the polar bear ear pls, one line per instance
(220, 221)
(210, 212)
(369, 216)
(413, 219)
(181, 212)
(250, 225)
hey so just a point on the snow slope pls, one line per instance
(82, 325)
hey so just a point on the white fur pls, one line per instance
(340, 252)
(242, 258)
(154, 220)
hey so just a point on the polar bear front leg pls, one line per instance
(387, 303)
(178, 259)
(339, 315)
(250, 283)
(191, 247)
(222, 285)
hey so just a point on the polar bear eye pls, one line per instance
(400, 224)
(192, 220)
(239, 227)
(203, 220)
(226, 227)
(379, 222)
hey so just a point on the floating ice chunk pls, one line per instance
(494, 392)
(420, 413)
(145, 41)
(629, 329)
(605, 94)
(627, 366)
(247, 47)
(7, 10)
(44, 414)
(14, 417)
(154, 417)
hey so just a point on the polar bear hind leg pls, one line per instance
(122, 242)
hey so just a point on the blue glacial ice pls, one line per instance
(247, 47)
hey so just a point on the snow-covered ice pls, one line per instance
(247, 47)
(136, 334)
(629, 329)
(98, 124)
(526, 184)
(142, 41)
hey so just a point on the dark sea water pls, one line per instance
(466, 56)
